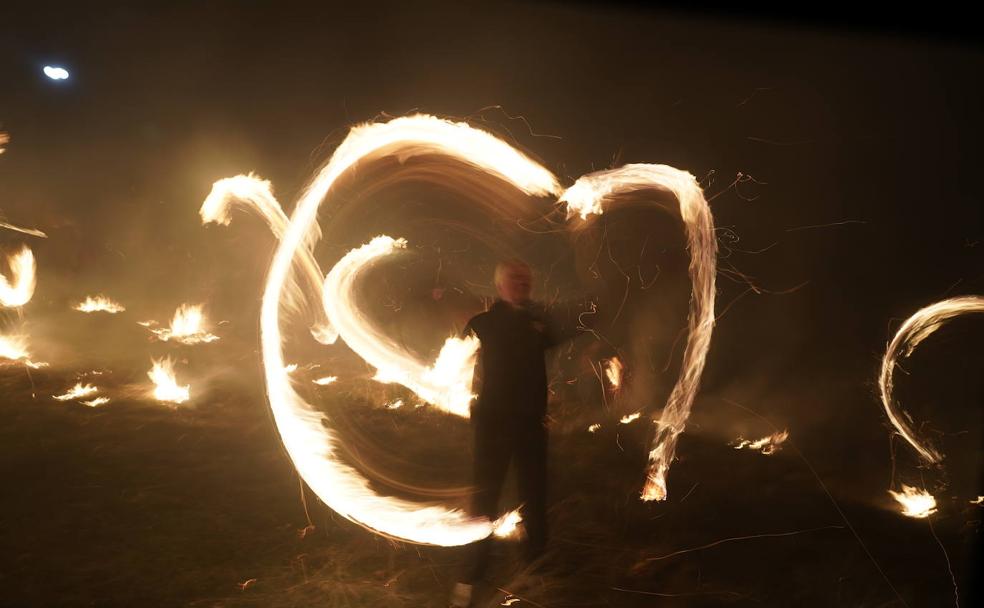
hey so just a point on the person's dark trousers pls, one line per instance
(499, 440)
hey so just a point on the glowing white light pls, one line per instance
(55, 73)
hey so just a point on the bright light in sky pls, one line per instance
(55, 73)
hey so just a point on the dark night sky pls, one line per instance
(875, 128)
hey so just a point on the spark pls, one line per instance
(18, 290)
(99, 303)
(915, 502)
(979, 501)
(629, 418)
(588, 196)
(77, 392)
(166, 387)
(767, 445)
(311, 444)
(914, 330)
(187, 326)
(96, 402)
(594, 428)
(55, 72)
(326, 380)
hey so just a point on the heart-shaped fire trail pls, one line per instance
(296, 286)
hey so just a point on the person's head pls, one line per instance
(514, 281)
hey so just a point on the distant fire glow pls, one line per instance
(187, 327)
(915, 502)
(766, 445)
(96, 402)
(99, 304)
(166, 387)
(77, 392)
(13, 348)
(55, 72)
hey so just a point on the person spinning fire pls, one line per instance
(509, 415)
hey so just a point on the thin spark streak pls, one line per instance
(687, 594)
(812, 226)
(737, 538)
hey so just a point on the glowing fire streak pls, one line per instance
(99, 304)
(96, 402)
(17, 290)
(326, 380)
(915, 502)
(613, 372)
(766, 445)
(588, 196)
(917, 328)
(166, 387)
(29, 231)
(978, 501)
(309, 443)
(187, 327)
(630, 418)
(446, 385)
(256, 194)
(77, 392)
(594, 428)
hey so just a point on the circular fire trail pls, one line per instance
(313, 445)
(917, 328)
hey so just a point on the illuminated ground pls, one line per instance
(136, 504)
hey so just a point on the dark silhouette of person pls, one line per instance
(509, 415)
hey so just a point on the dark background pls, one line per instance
(861, 134)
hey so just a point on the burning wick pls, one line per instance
(630, 418)
(99, 303)
(915, 502)
(766, 445)
(166, 387)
